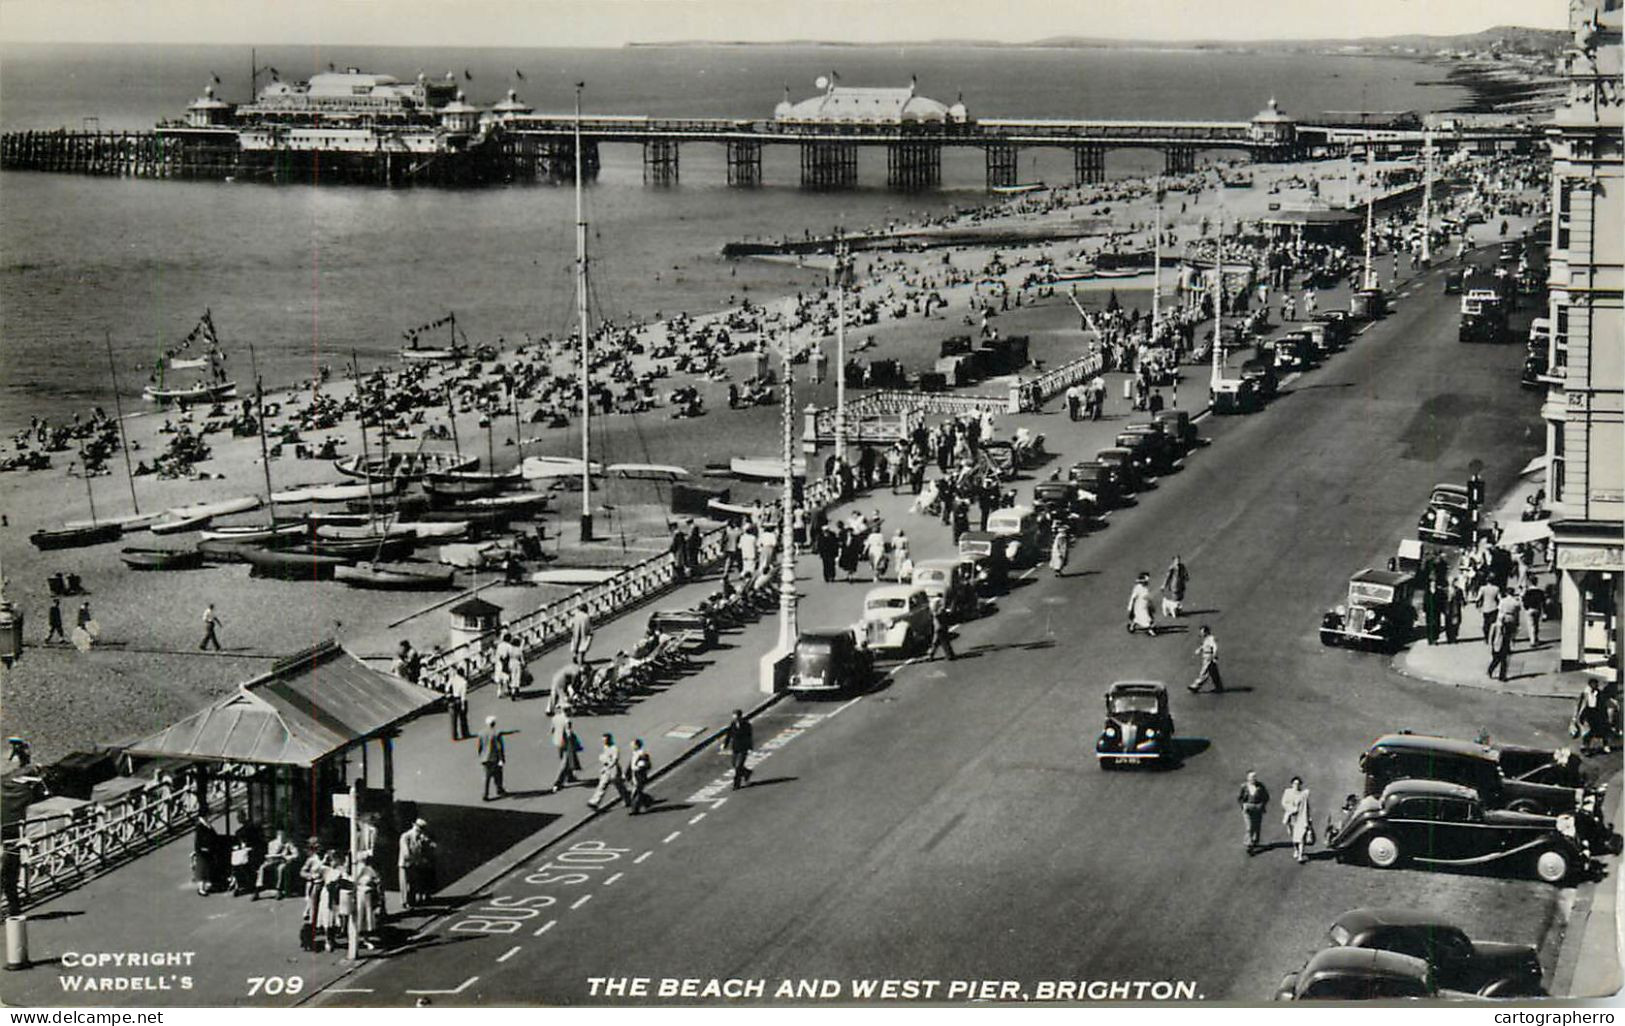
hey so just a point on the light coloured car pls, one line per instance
(897, 618)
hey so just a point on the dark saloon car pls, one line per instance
(1423, 757)
(1127, 466)
(830, 662)
(1102, 483)
(1360, 974)
(1449, 518)
(1061, 501)
(1176, 424)
(985, 551)
(1380, 612)
(1235, 395)
(1457, 962)
(1139, 727)
(1434, 823)
(1159, 451)
(1260, 372)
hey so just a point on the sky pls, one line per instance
(600, 23)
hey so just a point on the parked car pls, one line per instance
(1176, 424)
(1139, 726)
(1261, 373)
(1455, 961)
(1292, 351)
(1061, 501)
(1435, 823)
(1380, 611)
(1360, 974)
(1424, 757)
(1234, 395)
(1320, 340)
(1123, 460)
(1337, 324)
(1453, 282)
(1099, 482)
(896, 618)
(950, 581)
(830, 662)
(1026, 534)
(1449, 518)
(1147, 442)
(985, 552)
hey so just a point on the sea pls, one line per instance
(314, 277)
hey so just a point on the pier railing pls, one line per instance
(1061, 378)
(61, 852)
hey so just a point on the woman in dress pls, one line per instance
(1297, 817)
(1139, 606)
(369, 900)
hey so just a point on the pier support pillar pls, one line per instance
(744, 163)
(829, 165)
(660, 162)
(1179, 160)
(1088, 165)
(556, 159)
(1001, 165)
(913, 164)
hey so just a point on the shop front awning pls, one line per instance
(307, 708)
(1518, 532)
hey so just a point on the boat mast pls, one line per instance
(84, 470)
(518, 425)
(118, 408)
(451, 411)
(490, 442)
(581, 314)
(361, 421)
(259, 417)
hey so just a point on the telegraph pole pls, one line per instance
(840, 346)
(581, 314)
(1370, 209)
(787, 538)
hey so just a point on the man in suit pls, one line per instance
(610, 774)
(457, 705)
(1500, 646)
(580, 636)
(1253, 798)
(415, 858)
(739, 739)
(493, 754)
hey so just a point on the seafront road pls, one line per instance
(952, 825)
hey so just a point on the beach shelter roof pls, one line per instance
(308, 707)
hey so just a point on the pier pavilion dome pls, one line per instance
(459, 115)
(510, 106)
(1272, 125)
(852, 105)
(206, 111)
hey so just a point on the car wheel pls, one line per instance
(1552, 865)
(1327, 639)
(1524, 805)
(1382, 851)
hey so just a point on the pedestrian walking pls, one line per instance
(1139, 607)
(580, 635)
(610, 774)
(941, 632)
(829, 549)
(1455, 603)
(457, 704)
(1534, 606)
(493, 757)
(416, 862)
(1208, 651)
(738, 740)
(501, 666)
(1253, 798)
(642, 769)
(1489, 604)
(54, 618)
(1433, 600)
(1174, 583)
(1298, 818)
(211, 621)
(568, 747)
(1060, 549)
(1500, 636)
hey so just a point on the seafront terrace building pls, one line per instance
(1585, 438)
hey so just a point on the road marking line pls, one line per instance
(674, 835)
(349, 990)
(612, 879)
(544, 928)
(846, 705)
(697, 817)
(640, 858)
(580, 901)
(455, 990)
(509, 953)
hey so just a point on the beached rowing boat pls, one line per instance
(295, 564)
(286, 533)
(765, 469)
(539, 468)
(161, 559)
(457, 484)
(424, 530)
(647, 471)
(572, 575)
(222, 508)
(75, 537)
(359, 532)
(342, 492)
(202, 392)
(409, 466)
(178, 525)
(128, 521)
(395, 576)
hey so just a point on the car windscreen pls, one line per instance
(813, 656)
(1133, 703)
(886, 603)
(930, 577)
